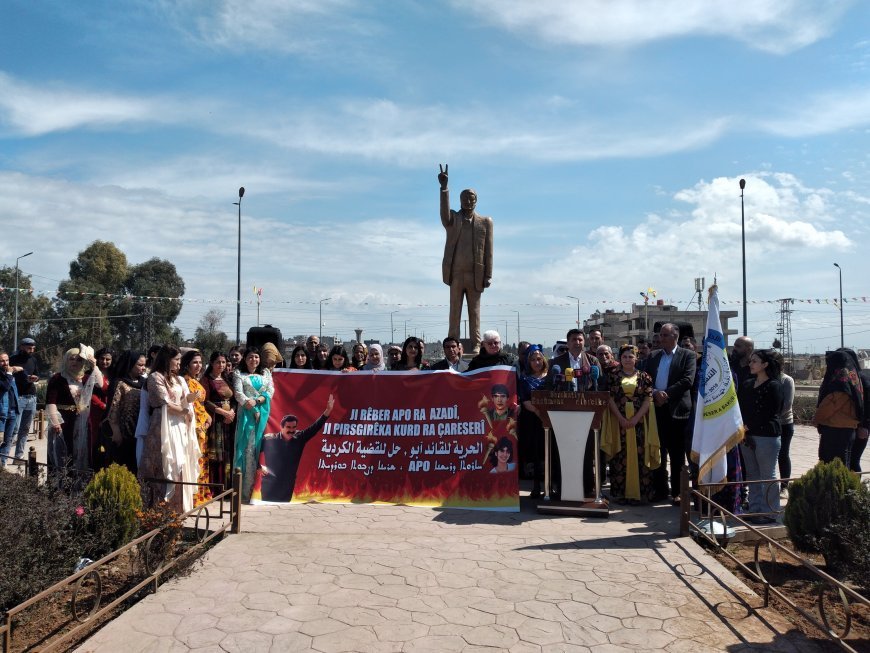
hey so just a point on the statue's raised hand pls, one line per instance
(442, 176)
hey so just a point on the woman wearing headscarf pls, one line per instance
(99, 449)
(124, 391)
(531, 429)
(375, 360)
(630, 436)
(271, 356)
(253, 389)
(840, 407)
(67, 406)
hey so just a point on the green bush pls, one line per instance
(850, 542)
(816, 501)
(43, 533)
(114, 501)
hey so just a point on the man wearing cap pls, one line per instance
(24, 366)
(280, 456)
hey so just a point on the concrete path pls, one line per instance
(395, 578)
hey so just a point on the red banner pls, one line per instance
(417, 438)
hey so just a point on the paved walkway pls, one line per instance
(395, 578)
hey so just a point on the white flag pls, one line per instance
(718, 423)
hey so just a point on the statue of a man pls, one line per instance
(467, 264)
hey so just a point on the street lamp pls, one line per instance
(239, 273)
(743, 242)
(18, 292)
(406, 328)
(325, 299)
(518, 328)
(837, 265)
(392, 330)
(578, 309)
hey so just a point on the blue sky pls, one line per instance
(605, 138)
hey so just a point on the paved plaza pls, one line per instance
(396, 578)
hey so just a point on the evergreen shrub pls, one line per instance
(114, 500)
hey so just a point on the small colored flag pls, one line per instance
(718, 422)
(652, 292)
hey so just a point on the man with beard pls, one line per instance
(281, 453)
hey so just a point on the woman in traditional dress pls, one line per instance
(253, 389)
(98, 448)
(760, 398)
(191, 368)
(299, 359)
(375, 359)
(170, 448)
(67, 407)
(840, 407)
(123, 412)
(338, 360)
(531, 429)
(220, 404)
(630, 439)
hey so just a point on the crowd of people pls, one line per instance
(182, 424)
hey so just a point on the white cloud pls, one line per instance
(778, 26)
(305, 27)
(34, 110)
(822, 114)
(783, 234)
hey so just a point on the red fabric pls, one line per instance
(412, 420)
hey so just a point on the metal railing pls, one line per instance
(90, 580)
(846, 595)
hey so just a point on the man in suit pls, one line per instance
(672, 369)
(452, 360)
(467, 263)
(582, 363)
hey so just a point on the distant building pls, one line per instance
(619, 327)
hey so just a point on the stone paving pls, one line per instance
(329, 578)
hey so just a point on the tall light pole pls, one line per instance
(18, 292)
(578, 308)
(406, 329)
(743, 243)
(239, 273)
(518, 328)
(392, 330)
(320, 319)
(837, 265)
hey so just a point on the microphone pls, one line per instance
(570, 380)
(558, 379)
(595, 372)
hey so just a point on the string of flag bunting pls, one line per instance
(259, 300)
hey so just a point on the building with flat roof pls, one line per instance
(643, 320)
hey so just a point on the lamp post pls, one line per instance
(406, 329)
(320, 319)
(17, 292)
(518, 328)
(392, 330)
(837, 265)
(578, 308)
(743, 244)
(239, 273)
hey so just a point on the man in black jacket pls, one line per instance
(672, 369)
(452, 359)
(281, 453)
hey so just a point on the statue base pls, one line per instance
(590, 508)
(467, 347)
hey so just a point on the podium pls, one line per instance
(572, 415)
